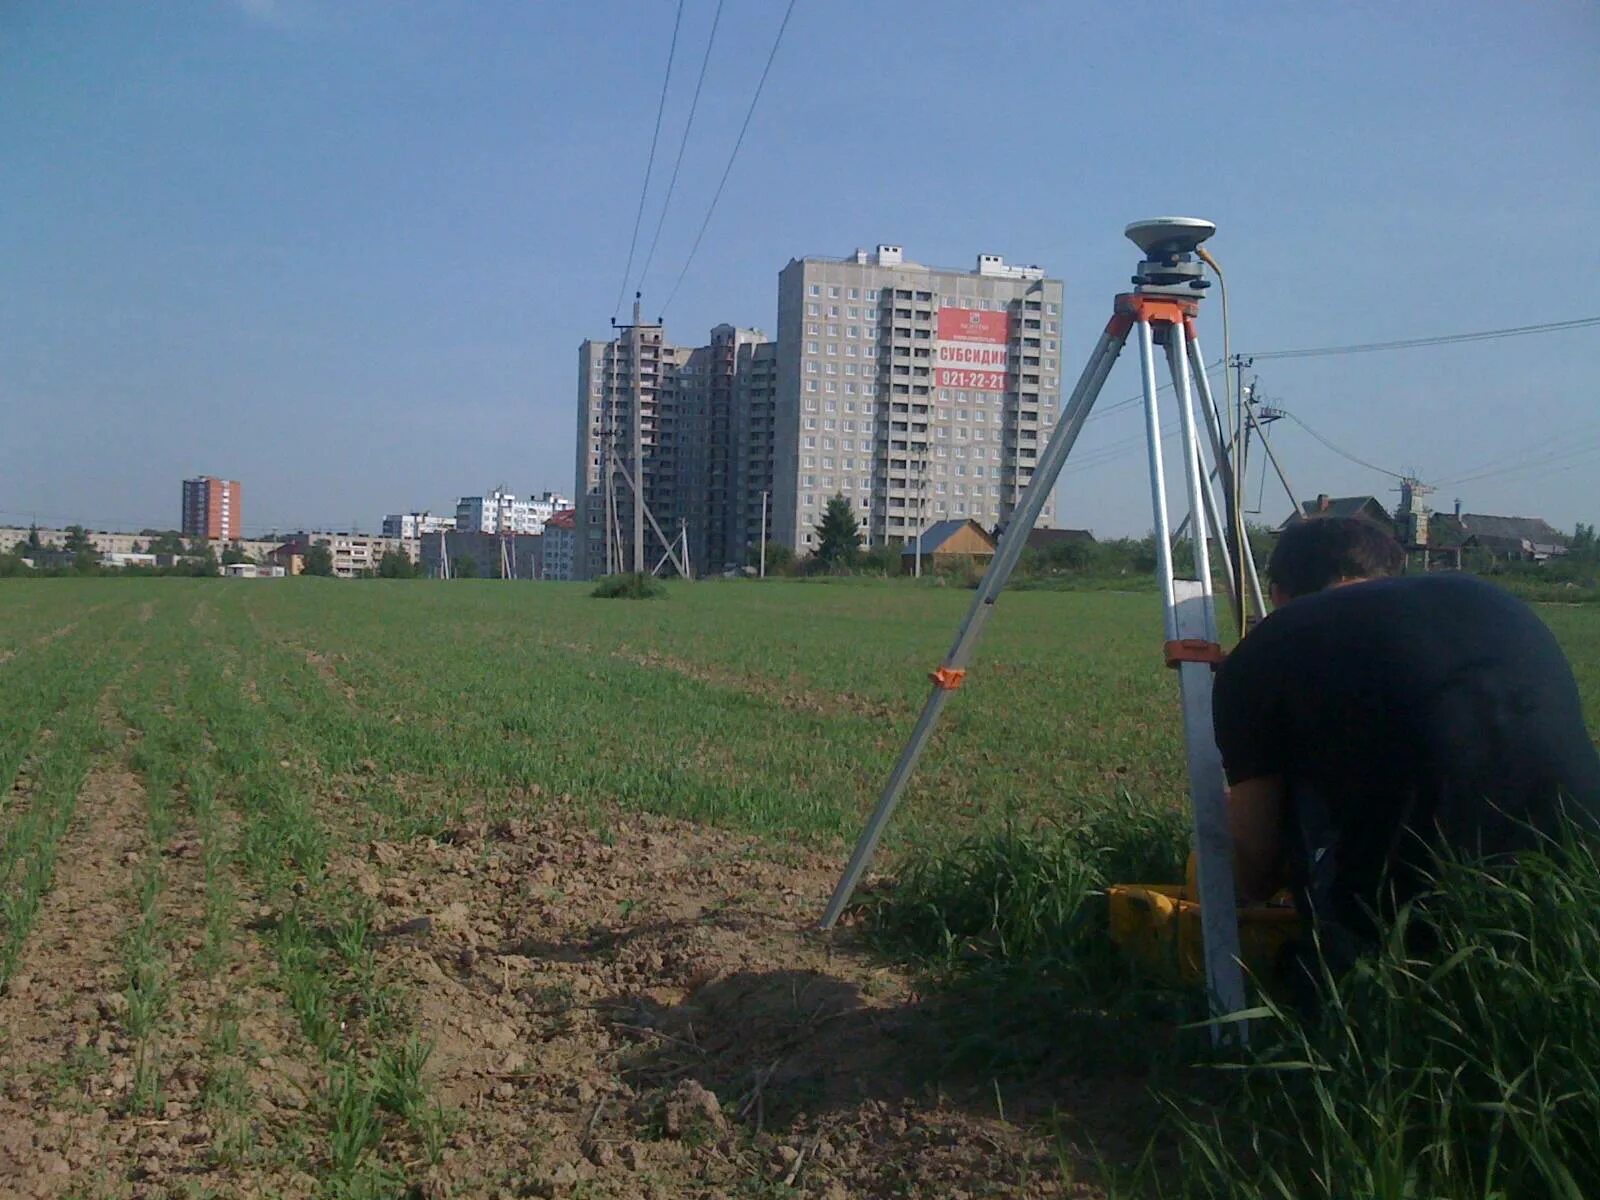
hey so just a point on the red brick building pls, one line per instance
(211, 509)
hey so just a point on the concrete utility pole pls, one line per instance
(636, 338)
(763, 535)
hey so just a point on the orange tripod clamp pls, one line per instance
(1193, 650)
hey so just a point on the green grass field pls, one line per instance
(276, 727)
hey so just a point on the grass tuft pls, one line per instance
(635, 585)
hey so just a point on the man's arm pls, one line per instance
(1256, 820)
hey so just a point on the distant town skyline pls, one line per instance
(343, 252)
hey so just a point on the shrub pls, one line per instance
(635, 585)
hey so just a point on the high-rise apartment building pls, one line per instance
(692, 453)
(211, 509)
(918, 393)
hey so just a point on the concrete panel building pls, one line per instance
(918, 393)
(560, 545)
(412, 525)
(211, 509)
(692, 467)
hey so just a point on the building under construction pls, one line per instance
(701, 448)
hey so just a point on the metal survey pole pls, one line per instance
(949, 674)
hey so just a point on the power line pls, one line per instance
(1342, 453)
(739, 141)
(683, 143)
(1484, 335)
(650, 162)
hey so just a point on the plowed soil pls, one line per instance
(643, 1011)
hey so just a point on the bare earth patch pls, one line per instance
(67, 1069)
(644, 1011)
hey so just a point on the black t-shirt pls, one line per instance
(1402, 713)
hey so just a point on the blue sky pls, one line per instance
(345, 251)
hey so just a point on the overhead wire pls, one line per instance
(737, 143)
(1483, 335)
(683, 142)
(649, 162)
(1340, 451)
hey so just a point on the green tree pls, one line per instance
(85, 558)
(319, 560)
(33, 543)
(1584, 547)
(838, 534)
(164, 542)
(396, 564)
(232, 554)
(463, 566)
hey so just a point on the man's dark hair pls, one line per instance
(1314, 553)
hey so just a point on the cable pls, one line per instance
(1341, 452)
(683, 143)
(1441, 340)
(649, 163)
(739, 141)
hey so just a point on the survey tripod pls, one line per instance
(1160, 311)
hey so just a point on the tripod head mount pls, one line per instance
(1170, 267)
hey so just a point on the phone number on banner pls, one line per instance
(982, 381)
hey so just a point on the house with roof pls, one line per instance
(1367, 507)
(1513, 539)
(945, 542)
(1048, 539)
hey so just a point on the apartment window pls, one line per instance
(810, 481)
(833, 386)
(831, 405)
(827, 464)
(811, 422)
(994, 489)
(867, 406)
(941, 451)
(811, 385)
(869, 351)
(827, 423)
(833, 368)
(812, 368)
(872, 293)
(811, 442)
(813, 310)
(815, 289)
(1050, 308)
(977, 452)
(833, 293)
(813, 328)
(833, 331)
(1049, 343)
(849, 390)
(850, 350)
(833, 310)
(1050, 327)
(941, 487)
(833, 347)
(827, 443)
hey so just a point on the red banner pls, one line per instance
(972, 349)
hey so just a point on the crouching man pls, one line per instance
(1371, 719)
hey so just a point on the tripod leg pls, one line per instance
(1196, 618)
(1009, 550)
(1158, 477)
